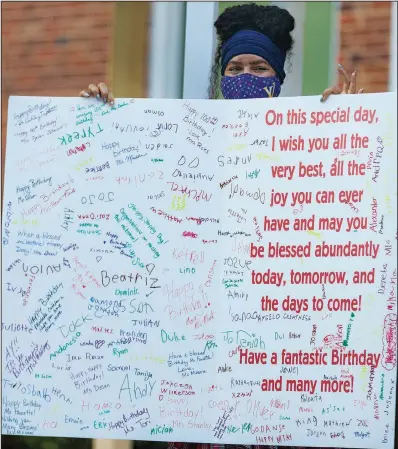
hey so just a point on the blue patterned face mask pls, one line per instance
(250, 86)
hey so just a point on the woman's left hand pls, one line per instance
(349, 86)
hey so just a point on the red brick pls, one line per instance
(365, 33)
(348, 19)
(381, 5)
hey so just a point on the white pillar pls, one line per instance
(393, 49)
(292, 87)
(200, 43)
(166, 50)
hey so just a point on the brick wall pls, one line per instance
(53, 48)
(365, 42)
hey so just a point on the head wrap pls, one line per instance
(253, 43)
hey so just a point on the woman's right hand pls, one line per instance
(101, 92)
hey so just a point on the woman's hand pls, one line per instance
(349, 86)
(101, 92)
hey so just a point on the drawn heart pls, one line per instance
(98, 258)
(99, 343)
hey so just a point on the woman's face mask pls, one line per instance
(249, 76)
(250, 86)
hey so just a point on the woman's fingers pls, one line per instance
(352, 88)
(349, 85)
(347, 79)
(111, 98)
(103, 91)
(335, 90)
(93, 90)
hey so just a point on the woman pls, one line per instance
(254, 42)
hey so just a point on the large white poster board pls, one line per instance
(205, 271)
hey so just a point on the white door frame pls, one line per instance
(166, 50)
(200, 44)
